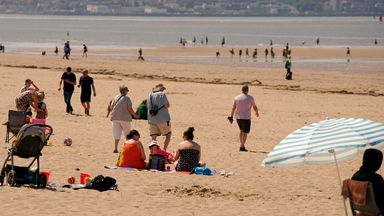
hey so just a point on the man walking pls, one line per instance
(242, 105)
(158, 115)
(69, 80)
(87, 86)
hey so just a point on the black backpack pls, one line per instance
(102, 183)
(156, 162)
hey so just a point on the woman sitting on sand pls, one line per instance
(188, 153)
(132, 153)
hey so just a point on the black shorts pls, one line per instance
(85, 97)
(244, 125)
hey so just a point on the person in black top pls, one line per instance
(69, 80)
(372, 160)
(85, 51)
(86, 82)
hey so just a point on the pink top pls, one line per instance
(244, 103)
(167, 156)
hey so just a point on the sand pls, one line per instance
(201, 95)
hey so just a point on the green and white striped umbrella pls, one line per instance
(326, 141)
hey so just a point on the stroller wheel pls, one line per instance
(11, 178)
(42, 181)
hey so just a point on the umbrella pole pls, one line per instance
(338, 174)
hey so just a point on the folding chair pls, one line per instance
(16, 119)
(361, 198)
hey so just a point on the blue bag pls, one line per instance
(202, 171)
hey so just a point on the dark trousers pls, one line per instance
(67, 100)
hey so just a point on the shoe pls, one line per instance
(243, 149)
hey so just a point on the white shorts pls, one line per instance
(120, 126)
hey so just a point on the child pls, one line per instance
(41, 112)
(154, 148)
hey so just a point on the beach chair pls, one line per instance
(16, 119)
(29, 142)
(361, 198)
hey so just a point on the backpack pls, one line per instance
(141, 111)
(102, 183)
(156, 162)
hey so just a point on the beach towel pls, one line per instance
(356, 191)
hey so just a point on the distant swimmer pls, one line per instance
(202, 41)
(317, 41)
(348, 54)
(270, 43)
(232, 52)
(67, 33)
(85, 50)
(56, 50)
(223, 41)
(240, 53)
(254, 55)
(206, 40)
(43, 53)
(375, 42)
(266, 52)
(272, 53)
(217, 54)
(246, 53)
(2, 48)
(140, 58)
(194, 40)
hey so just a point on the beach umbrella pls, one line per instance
(327, 141)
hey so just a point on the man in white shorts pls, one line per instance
(158, 116)
(120, 108)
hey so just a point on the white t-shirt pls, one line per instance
(244, 103)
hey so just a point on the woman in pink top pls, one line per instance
(132, 153)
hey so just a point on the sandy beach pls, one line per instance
(201, 95)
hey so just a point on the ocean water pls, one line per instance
(18, 32)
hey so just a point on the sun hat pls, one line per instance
(159, 87)
(153, 143)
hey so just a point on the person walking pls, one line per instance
(120, 108)
(159, 118)
(85, 51)
(288, 66)
(87, 86)
(67, 50)
(69, 80)
(242, 107)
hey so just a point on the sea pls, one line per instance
(20, 31)
(33, 33)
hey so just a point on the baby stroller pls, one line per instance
(29, 142)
